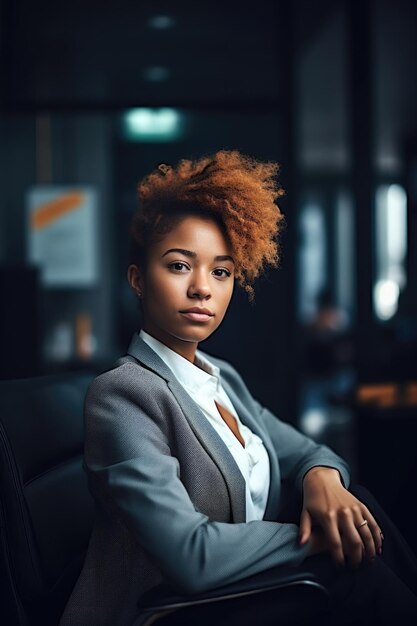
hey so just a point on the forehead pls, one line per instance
(200, 234)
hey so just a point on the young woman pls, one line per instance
(186, 467)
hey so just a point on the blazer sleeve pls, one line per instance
(134, 476)
(297, 453)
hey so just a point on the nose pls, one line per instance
(199, 286)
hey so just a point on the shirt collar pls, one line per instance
(193, 376)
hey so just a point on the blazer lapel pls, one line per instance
(205, 433)
(249, 421)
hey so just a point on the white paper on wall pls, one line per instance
(62, 235)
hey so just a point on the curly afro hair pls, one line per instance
(237, 191)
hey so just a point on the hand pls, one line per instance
(331, 516)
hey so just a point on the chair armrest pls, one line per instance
(164, 599)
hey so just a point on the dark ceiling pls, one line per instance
(234, 56)
(98, 53)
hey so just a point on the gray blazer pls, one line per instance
(170, 499)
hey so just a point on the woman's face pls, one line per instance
(192, 266)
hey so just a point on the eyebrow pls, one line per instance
(190, 253)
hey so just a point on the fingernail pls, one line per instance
(379, 550)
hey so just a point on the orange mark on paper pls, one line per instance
(47, 213)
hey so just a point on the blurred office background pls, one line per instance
(95, 94)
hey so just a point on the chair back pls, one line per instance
(46, 510)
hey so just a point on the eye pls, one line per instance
(177, 266)
(222, 269)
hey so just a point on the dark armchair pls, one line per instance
(46, 515)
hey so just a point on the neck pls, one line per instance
(186, 349)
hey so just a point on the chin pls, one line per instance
(195, 337)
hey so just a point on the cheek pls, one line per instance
(224, 299)
(164, 292)
(228, 293)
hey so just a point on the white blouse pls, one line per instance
(202, 382)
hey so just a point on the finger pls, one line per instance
(332, 534)
(366, 536)
(347, 551)
(374, 528)
(305, 527)
(353, 545)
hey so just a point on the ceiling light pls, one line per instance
(164, 124)
(156, 74)
(161, 22)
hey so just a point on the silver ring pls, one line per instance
(365, 521)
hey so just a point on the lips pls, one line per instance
(199, 310)
(197, 314)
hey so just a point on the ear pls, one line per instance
(135, 279)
